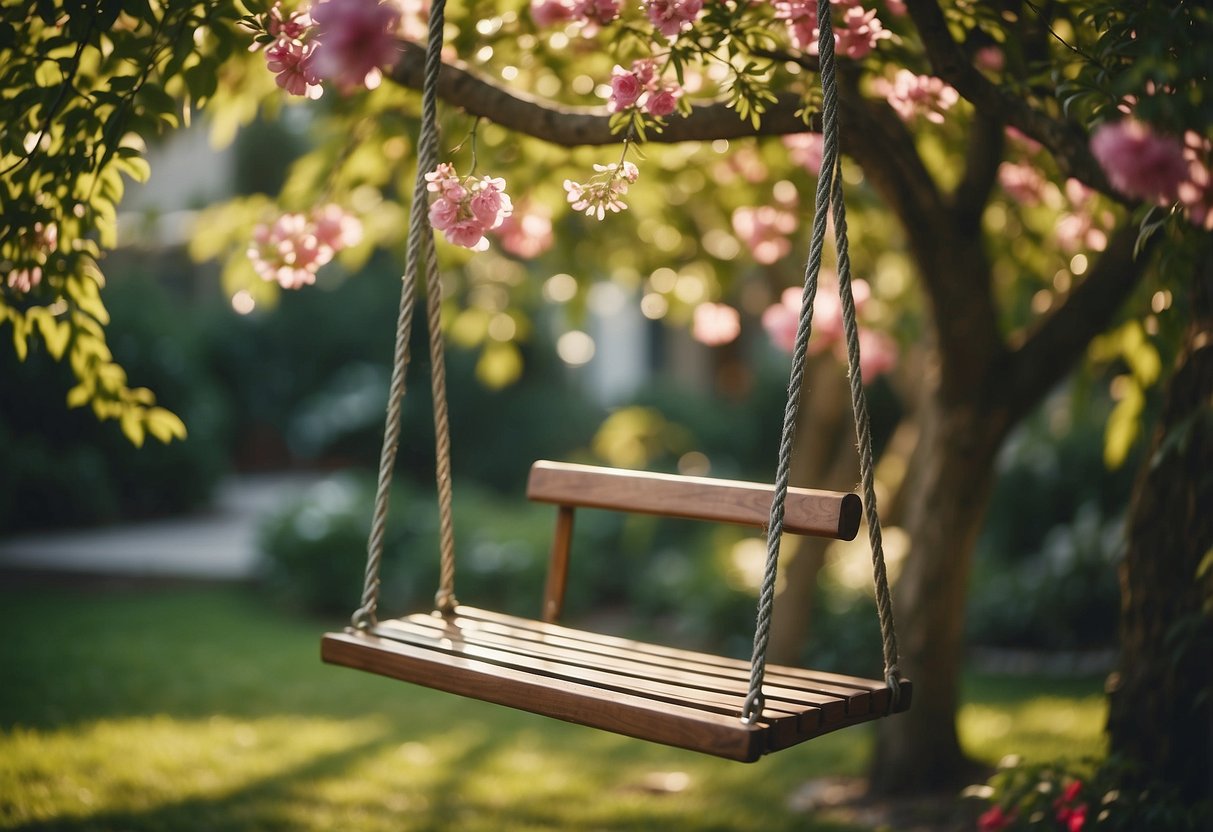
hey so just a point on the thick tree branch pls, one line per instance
(983, 155)
(1049, 352)
(1065, 140)
(576, 126)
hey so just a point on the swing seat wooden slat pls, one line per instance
(663, 694)
(677, 697)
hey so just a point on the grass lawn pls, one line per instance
(184, 709)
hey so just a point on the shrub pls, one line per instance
(1073, 797)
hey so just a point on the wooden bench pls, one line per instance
(677, 697)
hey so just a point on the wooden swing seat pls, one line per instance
(677, 697)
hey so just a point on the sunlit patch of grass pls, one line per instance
(1044, 727)
(202, 710)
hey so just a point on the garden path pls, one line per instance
(219, 543)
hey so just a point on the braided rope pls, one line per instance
(444, 599)
(829, 191)
(863, 436)
(420, 243)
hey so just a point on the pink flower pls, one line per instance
(917, 95)
(661, 103)
(1023, 182)
(1196, 193)
(443, 213)
(293, 26)
(1139, 162)
(671, 17)
(780, 320)
(877, 353)
(293, 248)
(859, 33)
(897, 8)
(855, 35)
(594, 14)
(550, 12)
(604, 190)
(645, 69)
(715, 324)
(990, 58)
(526, 233)
(1025, 141)
(467, 209)
(805, 149)
(335, 228)
(24, 280)
(490, 204)
(355, 41)
(626, 87)
(293, 65)
(764, 231)
(468, 233)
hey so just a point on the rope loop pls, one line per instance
(751, 709)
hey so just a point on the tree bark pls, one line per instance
(1161, 699)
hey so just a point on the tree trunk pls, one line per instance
(824, 458)
(919, 751)
(1161, 699)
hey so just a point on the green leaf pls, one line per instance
(1124, 423)
(132, 426)
(79, 395)
(164, 425)
(55, 333)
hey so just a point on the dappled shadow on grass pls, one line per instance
(202, 710)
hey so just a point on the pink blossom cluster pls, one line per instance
(293, 248)
(1157, 168)
(1082, 227)
(673, 17)
(805, 150)
(347, 41)
(291, 56)
(38, 246)
(715, 324)
(764, 231)
(641, 87)
(856, 32)
(877, 350)
(913, 95)
(1023, 182)
(355, 41)
(467, 208)
(590, 15)
(527, 232)
(604, 190)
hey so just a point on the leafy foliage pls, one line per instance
(83, 87)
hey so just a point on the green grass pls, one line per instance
(199, 709)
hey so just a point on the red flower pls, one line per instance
(994, 819)
(1073, 818)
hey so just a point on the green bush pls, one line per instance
(62, 467)
(1070, 797)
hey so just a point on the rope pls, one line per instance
(829, 190)
(420, 243)
(863, 435)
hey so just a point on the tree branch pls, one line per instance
(578, 126)
(983, 155)
(1066, 141)
(1055, 346)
